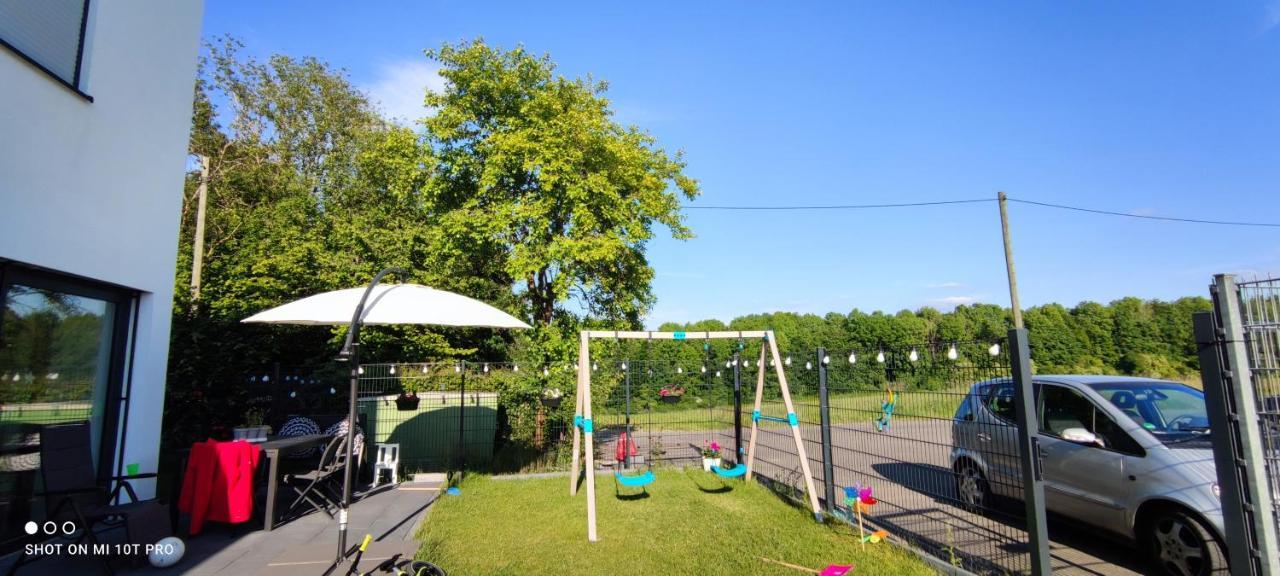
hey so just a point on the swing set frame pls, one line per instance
(583, 429)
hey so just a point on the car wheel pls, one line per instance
(971, 487)
(1180, 545)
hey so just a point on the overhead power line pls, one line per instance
(843, 206)
(1147, 216)
(985, 200)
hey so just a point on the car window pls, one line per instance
(999, 401)
(1062, 408)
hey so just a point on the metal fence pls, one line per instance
(1240, 367)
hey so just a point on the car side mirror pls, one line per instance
(1081, 436)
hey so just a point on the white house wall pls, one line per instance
(95, 188)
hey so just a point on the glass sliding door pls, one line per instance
(62, 344)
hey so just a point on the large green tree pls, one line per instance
(533, 171)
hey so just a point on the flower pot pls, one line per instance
(671, 399)
(406, 402)
(552, 402)
(709, 463)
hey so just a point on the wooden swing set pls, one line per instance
(582, 412)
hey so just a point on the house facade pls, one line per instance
(95, 111)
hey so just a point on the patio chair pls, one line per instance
(316, 487)
(73, 493)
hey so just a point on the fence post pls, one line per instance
(824, 415)
(462, 415)
(1212, 374)
(1249, 472)
(1029, 452)
(737, 410)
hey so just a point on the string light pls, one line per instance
(424, 368)
(624, 365)
(704, 369)
(679, 370)
(594, 366)
(853, 358)
(332, 391)
(515, 367)
(994, 350)
(913, 356)
(808, 365)
(787, 361)
(826, 360)
(486, 367)
(457, 368)
(880, 356)
(545, 371)
(717, 373)
(952, 354)
(359, 370)
(293, 393)
(393, 370)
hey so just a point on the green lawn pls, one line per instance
(535, 527)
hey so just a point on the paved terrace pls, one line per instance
(390, 514)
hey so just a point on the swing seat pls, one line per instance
(735, 472)
(637, 481)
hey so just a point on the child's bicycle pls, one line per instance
(393, 565)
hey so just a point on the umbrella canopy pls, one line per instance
(390, 304)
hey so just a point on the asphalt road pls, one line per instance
(908, 468)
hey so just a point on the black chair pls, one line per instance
(72, 492)
(316, 486)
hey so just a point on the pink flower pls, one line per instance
(715, 447)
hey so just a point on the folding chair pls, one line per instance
(73, 493)
(315, 487)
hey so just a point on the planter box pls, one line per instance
(251, 434)
(552, 402)
(671, 398)
(709, 463)
(407, 403)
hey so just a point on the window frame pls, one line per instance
(115, 402)
(74, 83)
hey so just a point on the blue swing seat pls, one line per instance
(735, 472)
(637, 481)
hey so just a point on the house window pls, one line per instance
(63, 345)
(48, 34)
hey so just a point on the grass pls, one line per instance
(690, 523)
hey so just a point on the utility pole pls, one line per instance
(1008, 261)
(197, 249)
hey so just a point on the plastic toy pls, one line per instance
(859, 499)
(886, 409)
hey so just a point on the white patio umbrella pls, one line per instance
(380, 304)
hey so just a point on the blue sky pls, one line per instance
(1157, 108)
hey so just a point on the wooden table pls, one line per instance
(273, 449)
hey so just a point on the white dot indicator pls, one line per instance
(32, 528)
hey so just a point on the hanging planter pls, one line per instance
(552, 397)
(671, 395)
(407, 401)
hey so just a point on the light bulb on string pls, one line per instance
(808, 365)
(994, 350)
(624, 365)
(679, 370)
(913, 356)
(293, 393)
(457, 368)
(787, 361)
(486, 367)
(826, 360)
(717, 373)
(332, 391)
(853, 358)
(515, 367)
(424, 369)
(393, 370)
(359, 370)
(880, 356)
(952, 354)
(704, 368)
(545, 371)
(771, 361)
(594, 366)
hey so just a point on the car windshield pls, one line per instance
(1173, 413)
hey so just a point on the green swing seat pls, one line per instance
(637, 481)
(735, 472)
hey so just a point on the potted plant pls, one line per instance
(551, 398)
(253, 430)
(408, 398)
(671, 394)
(710, 455)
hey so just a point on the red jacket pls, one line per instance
(218, 485)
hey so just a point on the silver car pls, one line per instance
(1128, 455)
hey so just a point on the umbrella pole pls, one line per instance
(351, 437)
